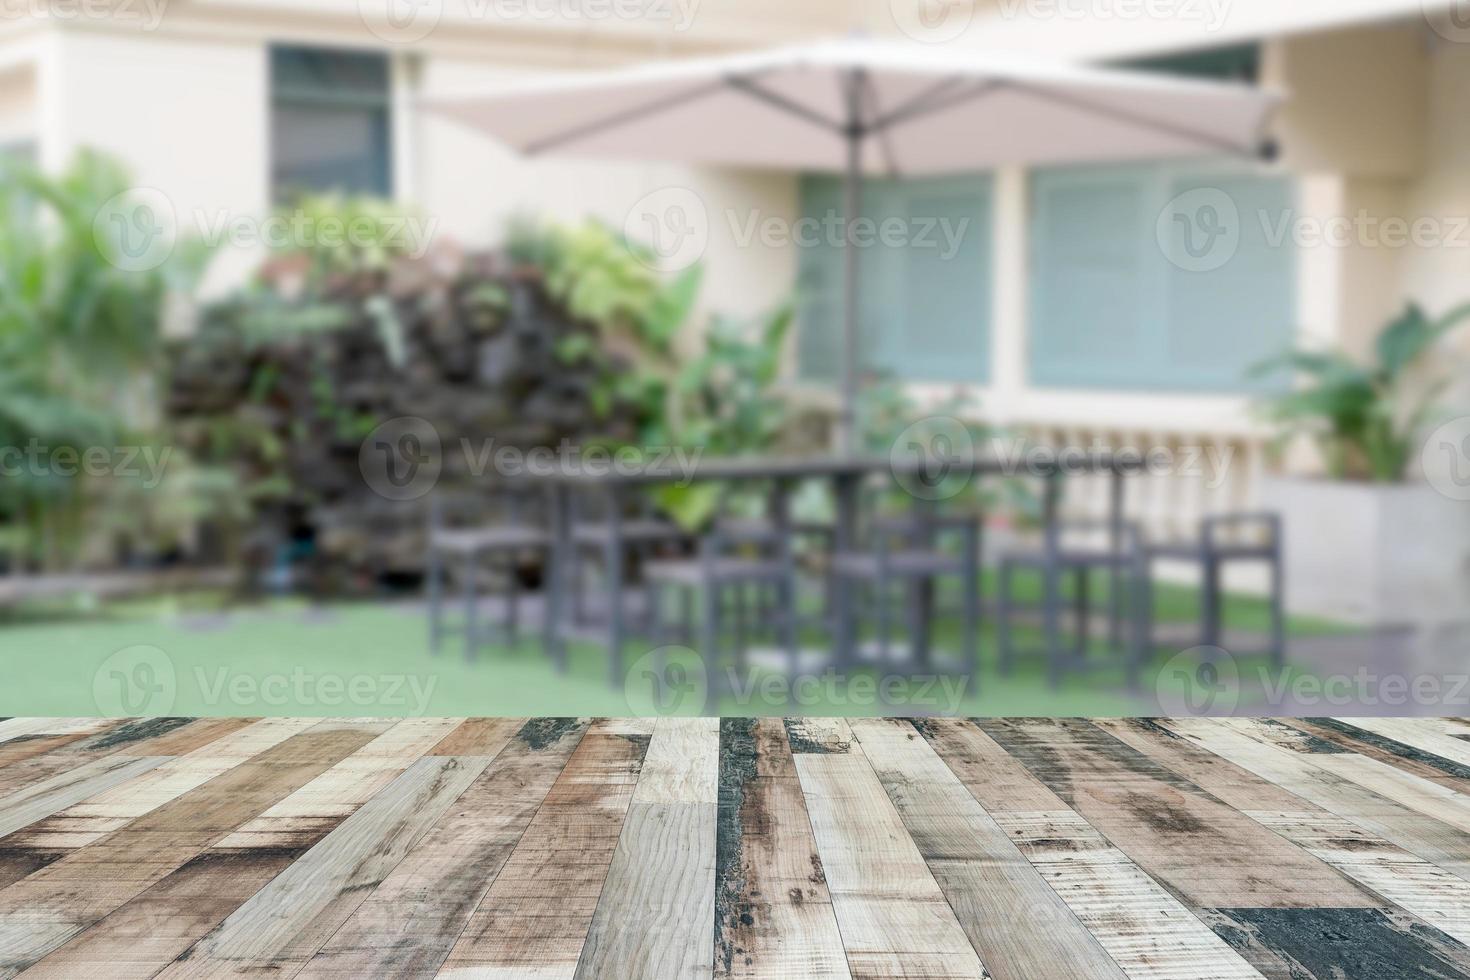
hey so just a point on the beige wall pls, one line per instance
(17, 105)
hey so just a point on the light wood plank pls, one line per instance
(894, 919)
(1017, 923)
(289, 920)
(534, 919)
(409, 924)
(66, 789)
(1422, 733)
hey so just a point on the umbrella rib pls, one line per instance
(622, 118)
(911, 103)
(1136, 119)
(741, 83)
(915, 108)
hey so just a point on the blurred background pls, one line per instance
(237, 241)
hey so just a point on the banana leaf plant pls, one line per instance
(1365, 418)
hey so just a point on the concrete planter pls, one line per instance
(1373, 553)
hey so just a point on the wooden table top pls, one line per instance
(541, 848)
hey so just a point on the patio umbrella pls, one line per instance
(868, 107)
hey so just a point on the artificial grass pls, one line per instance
(290, 658)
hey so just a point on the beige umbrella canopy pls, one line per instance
(862, 107)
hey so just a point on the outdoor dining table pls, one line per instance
(564, 475)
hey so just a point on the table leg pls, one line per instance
(845, 489)
(558, 560)
(1050, 590)
(1115, 547)
(614, 560)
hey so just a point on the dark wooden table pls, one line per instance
(565, 475)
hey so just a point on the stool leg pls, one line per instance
(1278, 611)
(883, 613)
(1082, 604)
(512, 603)
(971, 624)
(709, 647)
(435, 587)
(1210, 603)
(1004, 650)
(471, 610)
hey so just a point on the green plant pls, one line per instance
(79, 340)
(343, 236)
(1364, 418)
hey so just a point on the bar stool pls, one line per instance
(1226, 539)
(641, 535)
(1081, 548)
(455, 537)
(907, 551)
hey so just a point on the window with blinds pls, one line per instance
(331, 122)
(1159, 277)
(925, 278)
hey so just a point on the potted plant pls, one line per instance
(1369, 539)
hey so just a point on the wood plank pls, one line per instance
(894, 919)
(14, 728)
(1149, 932)
(656, 914)
(534, 919)
(409, 924)
(136, 738)
(1434, 895)
(479, 736)
(91, 820)
(44, 910)
(314, 810)
(1422, 734)
(40, 800)
(773, 913)
(819, 735)
(1205, 852)
(1426, 764)
(1017, 923)
(289, 920)
(1296, 772)
(1341, 944)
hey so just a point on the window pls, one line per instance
(1122, 295)
(331, 122)
(1239, 63)
(924, 278)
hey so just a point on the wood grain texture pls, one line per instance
(1151, 849)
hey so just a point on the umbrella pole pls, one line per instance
(852, 207)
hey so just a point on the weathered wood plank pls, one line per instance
(1434, 895)
(656, 915)
(1147, 931)
(142, 737)
(317, 808)
(818, 735)
(1397, 754)
(1205, 852)
(1341, 944)
(1415, 832)
(894, 919)
(478, 736)
(1421, 733)
(289, 920)
(773, 914)
(41, 800)
(1017, 923)
(409, 924)
(44, 910)
(534, 919)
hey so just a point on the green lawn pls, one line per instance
(287, 657)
